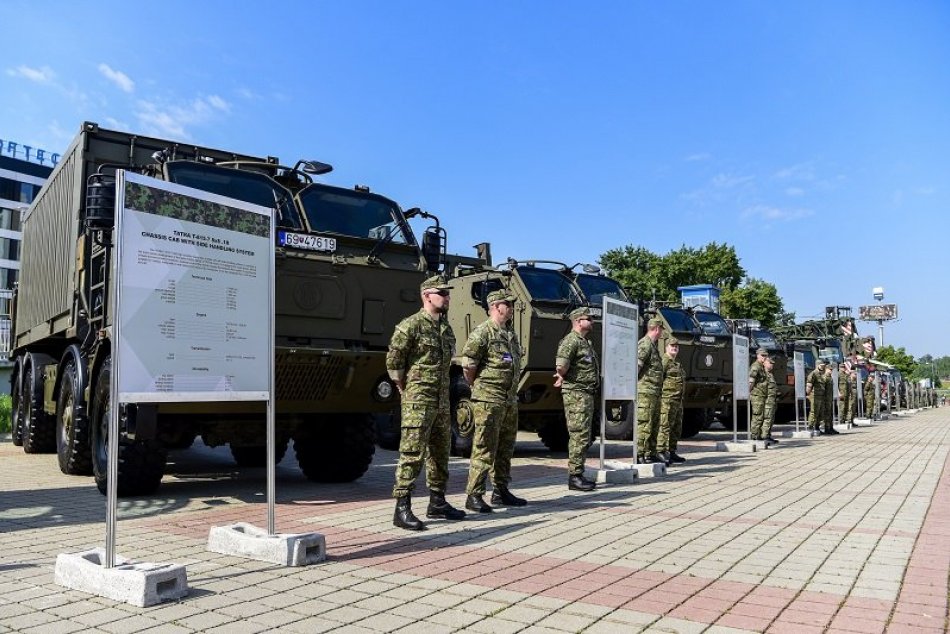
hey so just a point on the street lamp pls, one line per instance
(878, 292)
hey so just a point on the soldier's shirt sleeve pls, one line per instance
(475, 347)
(643, 353)
(398, 352)
(565, 352)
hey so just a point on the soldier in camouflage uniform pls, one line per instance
(649, 390)
(872, 404)
(491, 361)
(671, 407)
(420, 354)
(815, 388)
(845, 394)
(829, 410)
(758, 392)
(577, 374)
(771, 402)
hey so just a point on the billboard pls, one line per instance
(877, 312)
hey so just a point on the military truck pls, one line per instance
(348, 267)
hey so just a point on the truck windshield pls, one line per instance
(764, 339)
(831, 354)
(548, 285)
(679, 320)
(353, 213)
(711, 323)
(251, 187)
(597, 287)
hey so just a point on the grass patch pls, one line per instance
(5, 408)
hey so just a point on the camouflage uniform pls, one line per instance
(845, 394)
(649, 389)
(817, 382)
(871, 404)
(829, 409)
(758, 393)
(853, 390)
(577, 390)
(495, 353)
(671, 407)
(420, 353)
(771, 404)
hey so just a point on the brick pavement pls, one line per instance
(842, 534)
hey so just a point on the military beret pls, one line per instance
(762, 351)
(500, 296)
(436, 282)
(578, 313)
(655, 321)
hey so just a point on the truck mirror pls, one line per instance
(433, 247)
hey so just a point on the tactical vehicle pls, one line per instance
(348, 268)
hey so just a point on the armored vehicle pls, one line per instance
(348, 267)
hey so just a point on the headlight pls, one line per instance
(384, 390)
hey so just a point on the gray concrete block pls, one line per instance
(651, 470)
(138, 583)
(614, 472)
(742, 446)
(862, 421)
(842, 426)
(248, 541)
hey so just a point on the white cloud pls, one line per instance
(174, 119)
(798, 172)
(42, 75)
(219, 103)
(701, 156)
(794, 191)
(729, 181)
(117, 77)
(770, 213)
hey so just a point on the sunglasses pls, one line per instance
(442, 293)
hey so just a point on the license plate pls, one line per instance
(306, 241)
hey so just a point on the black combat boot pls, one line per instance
(641, 459)
(654, 457)
(403, 517)
(501, 496)
(770, 440)
(675, 457)
(664, 457)
(475, 502)
(438, 507)
(580, 483)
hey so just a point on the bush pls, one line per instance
(5, 408)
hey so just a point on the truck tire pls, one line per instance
(338, 450)
(618, 424)
(460, 392)
(16, 409)
(39, 431)
(72, 426)
(141, 463)
(251, 456)
(554, 434)
(694, 421)
(388, 431)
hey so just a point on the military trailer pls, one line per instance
(348, 268)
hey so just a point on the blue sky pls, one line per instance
(812, 136)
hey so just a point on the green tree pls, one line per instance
(899, 358)
(755, 299)
(636, 269)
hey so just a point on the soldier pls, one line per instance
(853, 390)
(649, 389)
(671, 407)
(871, 402)
(420, 353)
(758, 391)
(491, 361)
(845, 395)
(815, 388)
(577, 374)
(771, 402)
(829, 410)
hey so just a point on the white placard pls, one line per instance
(834, 384)
(740, 368)
(194, 280)
(619, 350)
(799, 367)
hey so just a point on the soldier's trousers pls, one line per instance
(844, 407)
(493, 443)
(648, 423)
(671, 424)
(758, 416)
(817, 414)
(828, 411)
(768, 419)
(426, 439)
(579, 411)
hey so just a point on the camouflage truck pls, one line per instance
(348, 268)
(706, 356)
(546, 292)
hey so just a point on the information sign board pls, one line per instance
(799, 367)
(740, 367)
(619, 350)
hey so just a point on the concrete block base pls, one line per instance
(842, 426)
(614, 472)
(803, 433)
(742, 446)
(248, 541)
(140, 584)
(650, 470)
(861, 422)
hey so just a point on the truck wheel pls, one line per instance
(39, 432)
(619, 424)
(459, 394)
(388, 431)
(694, 421)
(256, 455)
(554, 434)
(16, 409)
(338, 450)
(141, 463)
(72, 427)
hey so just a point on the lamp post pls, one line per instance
(878, 292)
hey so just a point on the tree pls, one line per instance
(897, 357)
(755, 299)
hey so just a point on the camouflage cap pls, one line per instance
(436, 282)
(500, 296)
(762, 352)
(578, 313)
(655, 322)
(672, 342)
(821, 362)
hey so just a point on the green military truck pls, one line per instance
(348, 268)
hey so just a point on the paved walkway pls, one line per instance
(843, 534)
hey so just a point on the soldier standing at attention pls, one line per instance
(845, 395)
(491, 361)
(420, 353)
(671, 408)
(771, 402)
(649, 389)
(828, 422)
(871, 402)
(758, 391)
(577, 374)
(815, 388)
